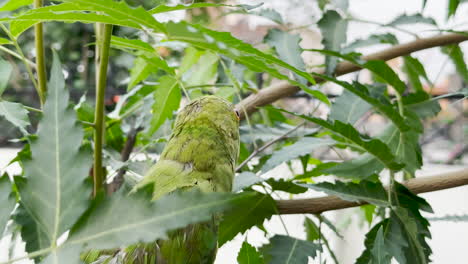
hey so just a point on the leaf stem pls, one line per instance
(40, 60)
(25, 61)
(103, 35)
(262, 148)
(16, 55)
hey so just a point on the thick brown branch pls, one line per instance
(416, 185)
(283, 89)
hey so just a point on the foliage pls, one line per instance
(169, 63)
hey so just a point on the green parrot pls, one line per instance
(201, 153)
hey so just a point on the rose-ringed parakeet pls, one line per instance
(201, 153)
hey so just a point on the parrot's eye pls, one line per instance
(237, 114)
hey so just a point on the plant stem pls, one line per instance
(25, 61)
(103, 36)
(40, 61)
(16, 55)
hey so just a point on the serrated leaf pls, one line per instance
(132, 44)
(271, 14)
(361, 167)
(55, 194)
(202, 71)
(414, 70)
(377, 100)
(15, 114)
(289, 250)
(250, 211)
(244, 180)
(415, 252)
(379, 253)
(371, 192)
(165, 8)
(6, 200)
(333, 28)
(348, 108)
(412, 19)
(311, 229)
(12, 5)
(456, 55)
(5, 72)
(139, 72)
(224, 43)
(422, 104)
(285, 186)
(373, 146)
(166, 100)
(287, 47)
(249, 255)
(31, 231)
(386, 38)
(87, 11)
(302, 147)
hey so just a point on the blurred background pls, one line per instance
(444, 143)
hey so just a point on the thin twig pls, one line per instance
(262, 148)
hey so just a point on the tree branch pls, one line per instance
(416, 185)
(284, 89)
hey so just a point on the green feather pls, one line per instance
(201, 153)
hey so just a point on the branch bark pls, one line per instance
(416, 185)
(284, 89)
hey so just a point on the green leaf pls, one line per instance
(361, 167)
(287, 47)
(122, 220)
(452, 7)
(87, 11)
(15, 114)
(379, 253)
(348, 108)
(415, 252)
(271, 14)
(166, 100)
(5, 73)
(333, 28)
(249, 255)
(373, 146)
(414, 70)
(139, 72)
(55, 193)
(31, 231)
(289, 250)
(131, 44)
(285, 186)
(6, 200)
(12, 5)
(202, 71)
(386, 38)
(165, 8)
(377, 67)
(224, 43)
(411, 19)
(422, 104)
(4, 41)
(244, 180)
(371, 192)
(250, 211)
(302, 147)
(456, 55)
(311, 229)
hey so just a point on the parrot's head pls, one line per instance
(211, 111)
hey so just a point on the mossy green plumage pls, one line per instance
(201, 153)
